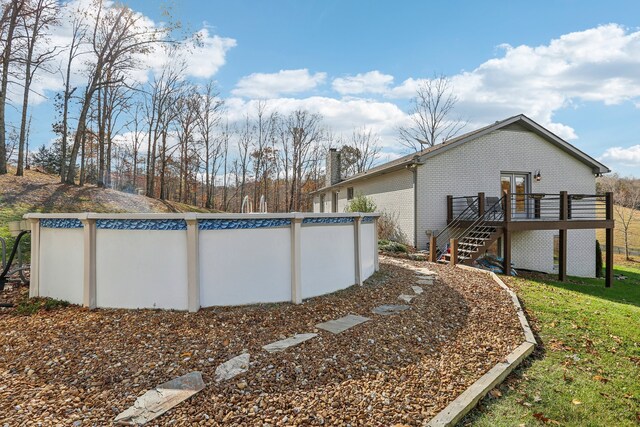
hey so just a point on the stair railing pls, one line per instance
(480, 226)
(443, 238)
(474, 230)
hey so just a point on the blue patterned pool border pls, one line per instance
(60, 223)
(328, 220)
(367, 219)
(141, 224)
(235, 224)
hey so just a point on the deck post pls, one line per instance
(506, 256)
(433, 248)
(480, 204)
(562, 256)
(506, 259)
(449, 208)
(453, 247)
(609, 242)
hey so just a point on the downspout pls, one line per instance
(415, 206)
(413, 167)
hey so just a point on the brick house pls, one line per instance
(512, 186)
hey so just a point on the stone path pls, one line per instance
(406, 298)
(156, 402)
(388, 309)
(342, 324)
(239, 364)
(288, 342)
(232, 367)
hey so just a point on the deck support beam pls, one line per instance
(506, 263)
(453, 247)
(506, 256)
(609, 242)
(562, 256)
(433, 248)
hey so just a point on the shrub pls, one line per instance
(390, 246)
(388, 228)
(361, 203)
(29, 306)
(598, 259)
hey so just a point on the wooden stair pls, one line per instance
(474, 244)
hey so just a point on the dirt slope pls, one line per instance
(40, 192)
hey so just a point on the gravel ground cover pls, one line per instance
(72, 366)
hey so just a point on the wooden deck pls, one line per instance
(531, 211)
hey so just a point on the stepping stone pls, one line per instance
(417, 289)
(156, 402)
(387, 309)
(425, 282)
(232, 367)
(342, 324)
(289, 342)
(406, 298)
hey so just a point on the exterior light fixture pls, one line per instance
(537, 176)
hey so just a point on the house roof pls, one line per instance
(419, 157)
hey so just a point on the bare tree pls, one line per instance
(626, 202)
(164, 90)
(244, 137)
(305, 131)
(118, 36)
(78, 36)
(209, 116)
(38, 16)
(11, 12)
(360, 153)
(431, 115)
(186, 109)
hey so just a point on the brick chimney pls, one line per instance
(332, 173)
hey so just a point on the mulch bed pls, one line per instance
(73, 366)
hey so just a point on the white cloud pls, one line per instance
(629, 156)
(341, 115)
(271, 85)
(370, 82)
(203, 59)
(599, 64)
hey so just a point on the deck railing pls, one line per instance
(531, 207)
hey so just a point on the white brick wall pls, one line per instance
(392, 193)
(475, 167)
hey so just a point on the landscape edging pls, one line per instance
(469, 398)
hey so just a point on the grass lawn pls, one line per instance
(618, 234)
(586, 369)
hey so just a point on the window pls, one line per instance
(349, 193)
(322, 203)
(334, 202)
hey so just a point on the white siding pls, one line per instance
(475, 167)
(392, 193)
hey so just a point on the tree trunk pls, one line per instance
(6, 60)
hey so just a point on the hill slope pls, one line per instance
(40, 192)
(618, 234)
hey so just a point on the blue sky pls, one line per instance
(573, 66)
